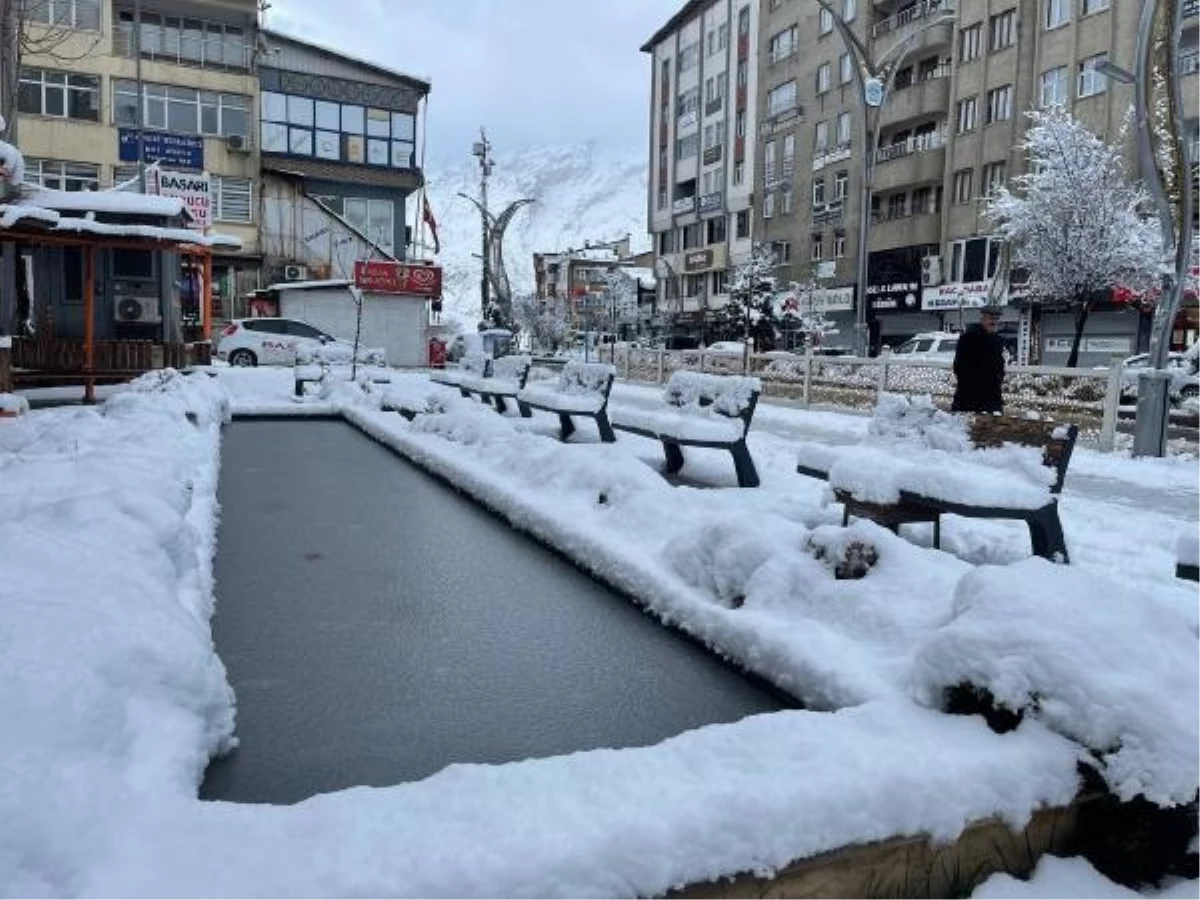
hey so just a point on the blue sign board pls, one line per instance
(176, 151)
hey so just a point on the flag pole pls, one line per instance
(420, 210)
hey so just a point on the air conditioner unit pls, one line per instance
(137, 310)
(295, 273)
(237, 143)
(931, 271)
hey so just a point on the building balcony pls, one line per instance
(712, 154)
(915, 161)
(902, 24)
(917, 100)
(683, 205)
(209, 45)
(905, 231)
(1189, 61)
(829, 213)
(1191, 8)
(823, 158)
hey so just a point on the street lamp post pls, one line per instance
(1163, 165)
(873, 78)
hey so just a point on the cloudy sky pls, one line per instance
(533, 72)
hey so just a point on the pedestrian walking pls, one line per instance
(979, 366)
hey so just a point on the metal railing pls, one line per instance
(905, 17)
(935, 140)
(207, 53)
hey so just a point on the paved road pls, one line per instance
(377, 626)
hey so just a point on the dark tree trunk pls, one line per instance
(1082, 309)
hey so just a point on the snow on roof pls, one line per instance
(12, 214)
(641, 273)
(105, 202)
(309, 285)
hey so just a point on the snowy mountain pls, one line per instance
(582, 193)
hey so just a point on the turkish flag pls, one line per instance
(428, 219)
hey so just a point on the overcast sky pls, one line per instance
(532, 72)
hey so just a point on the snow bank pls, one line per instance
(1115, 669)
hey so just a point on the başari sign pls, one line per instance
(386, 277)
(195, 190)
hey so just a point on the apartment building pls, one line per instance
(581, 276)
(702, 167)
(948, 134)
(83, 123)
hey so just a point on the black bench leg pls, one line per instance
(674, 454)
(526, 412)
(605, 428)
(465, 392)
(937, 532)
(743, 464)
(566, 426)
(1046, 534)
(501, 406)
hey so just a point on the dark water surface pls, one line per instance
(377, 626)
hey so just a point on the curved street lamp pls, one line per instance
(873, 75)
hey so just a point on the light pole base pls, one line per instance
(1153, 411)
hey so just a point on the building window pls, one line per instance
(782, 99)
(744, 20)
(974, 259)
(662, 198)
(183, 41)
(133, 265)
(845, 68)
(42, 92)
(742, 224)
(715, 229)
(786, 203)
(1053, 86)
(962, 186)
(1091, 81)
(999, 104)
(897, 206)
(1093, 6)
(849, 10)
(970, 42)
(925, 201)
(818, 248)
(769, 205)
(182, 110)
(743, 73)
(1001, 30)
(818, 193)
(83, 15)
(783, 44)
(839, 245)
(843, 129)
(232, 199)
(739, 125)
(820, 137)
(782, 251)
(687, 147)
(720, 282)
(373, 218)
(739, 172)
(689, 56)
(62, 176)
(1055, 13)
(993, 178)
(966, 114)
(841, 185)
(823, 78)
(338, 132)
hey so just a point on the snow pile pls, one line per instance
(1187, 548)
(1074, 877)
(111, 688)
(13, 405)
(899, 417)
(12, 163)
(1115, 670)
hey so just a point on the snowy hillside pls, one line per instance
(582, 193)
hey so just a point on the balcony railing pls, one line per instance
(683, 205)
(712, 154)
(779, 53)
(713, 105)
(906, 17)
(822, 157)
(942, 71)
(226, 52)
(935, 140)
(1190, 8)
(828, 213)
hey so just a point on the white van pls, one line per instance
(930, 345)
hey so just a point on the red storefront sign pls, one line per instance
(384, 277)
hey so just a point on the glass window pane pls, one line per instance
(379, 222)
(209, 120)
(170, 38)
(378, 123)
(378, 152)
(402, 154)
(191, 41)
(56, 101)
(29, 98)
(352, 119)
(274, 137)
(152, 35)
(156, 113)
(403, 126)
(235, 121)
(299, 110)
(236, 50)
(355, 212)
(355, 149)
(182, 116)
(328, 115)
(329, 144)
(300, 141)
(274, 107)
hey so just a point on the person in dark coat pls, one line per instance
(979, 366)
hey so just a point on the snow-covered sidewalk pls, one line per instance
(116, 699)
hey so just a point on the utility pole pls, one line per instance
(482, 150)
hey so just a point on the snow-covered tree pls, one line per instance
(751, 296)
(545, 321)
(799, 310)
(1076, 223)
(619, 299)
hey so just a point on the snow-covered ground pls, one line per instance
(114, 698)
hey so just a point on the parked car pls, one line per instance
(930, 345)
(1185, 383)
(737, 347)
(278, 342)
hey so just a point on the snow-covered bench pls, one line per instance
(472, 365)
(702, 411)
(505, 380)
(888, 486)
(581, 389)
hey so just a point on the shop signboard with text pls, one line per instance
(177, 151)
(964, 294)
(388, 277)
(194, 189)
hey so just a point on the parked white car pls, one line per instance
(278, 342)
(1185, 384)
(930, 345)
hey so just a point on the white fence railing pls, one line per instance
(1089, 398)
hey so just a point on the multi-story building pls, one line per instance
(103, 92)
(339, 138)
(581, 277)
(949, 133)
(702, 124)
